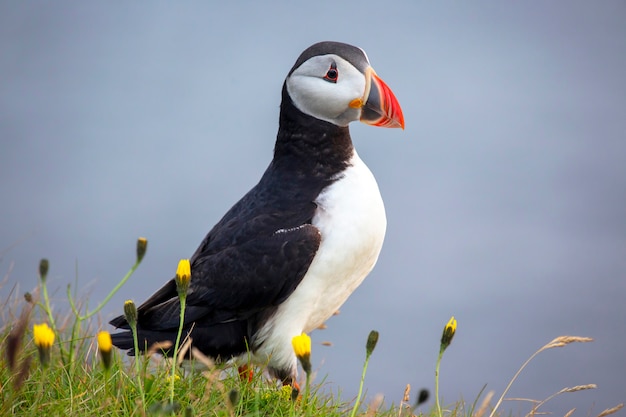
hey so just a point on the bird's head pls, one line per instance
(334, 82)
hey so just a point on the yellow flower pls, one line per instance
(175, 378)
(448, 334)
(130, 312)
(104, 347)
(142, 246)
(302, 348)
(104, 341)
(183, 276)
(44, 338)
(301, 345)
(183, 272)
(451, 326)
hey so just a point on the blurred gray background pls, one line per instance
(505, 194)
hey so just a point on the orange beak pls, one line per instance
(379, 106)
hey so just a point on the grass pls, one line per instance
(61, 371)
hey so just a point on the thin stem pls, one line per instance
(111, 294)
(358, 397)
(307, 386)
(133, 328)
(437, 382)
(48, 310)
(80, 318)
(75, 327)
(71, 300)
(183, 302)
(495, 408)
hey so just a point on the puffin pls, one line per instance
(290, 252)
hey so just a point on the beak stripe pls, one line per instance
(380, 107)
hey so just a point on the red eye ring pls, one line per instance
(332, 75)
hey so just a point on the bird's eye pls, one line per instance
(332, 74)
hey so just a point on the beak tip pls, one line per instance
(383, 108)
(401, 120)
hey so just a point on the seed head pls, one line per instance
(372, 340)
(142, 246)
(130, 312)
(233, 397)
(422, 397)
(43, 269)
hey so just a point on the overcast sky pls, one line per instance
(505, 195)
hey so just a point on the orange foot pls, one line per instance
(296, 394)
(245, 373)
(294, 385)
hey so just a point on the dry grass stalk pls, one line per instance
(15, 338)
(6, 314)
(210, 372)
(406, 400)
(407, 394)
(483, 406)
(22, 374)
(202, 358)
(158, 347)
(14, 343)
(183, 350)
(566, 340)
(558, 342)
(580, 388)
(566, 389)
(528, 400)
(374, 405)
(611, 410)
(570, 412)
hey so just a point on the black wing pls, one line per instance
(236, 281)
(250, 262)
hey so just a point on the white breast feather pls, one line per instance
(351, 219)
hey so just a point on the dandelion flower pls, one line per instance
(44, 338)
(105, 347)
(446, 339)
(302, 348)
(183, 276)
(448, 333)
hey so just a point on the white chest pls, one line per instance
(352, 222)
(351, 219)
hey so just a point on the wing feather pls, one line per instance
(236, 282)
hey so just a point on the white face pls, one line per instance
(315, 92)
